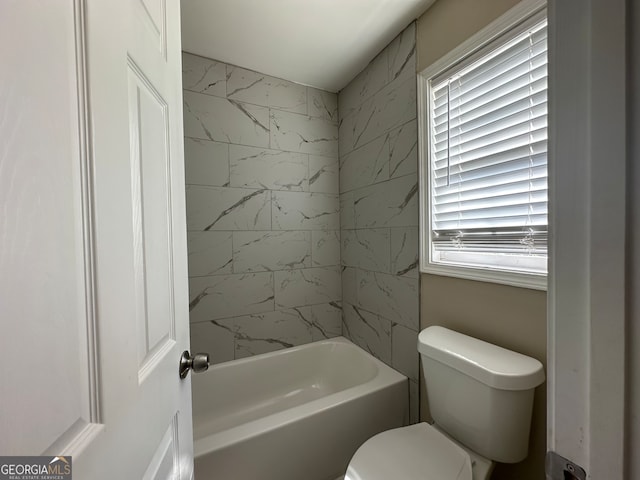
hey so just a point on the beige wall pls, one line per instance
(514, 318)
(448, 23)
(511, 317)
(633, 240)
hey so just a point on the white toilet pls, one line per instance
(480, 396)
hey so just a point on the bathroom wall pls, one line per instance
(263, 219)
(511, 317)
(379, 208)
(633, 253)
(514, 318)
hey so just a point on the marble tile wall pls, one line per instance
(379, 209)
(263, 211)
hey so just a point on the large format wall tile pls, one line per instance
(402, 54)
(369, 331)
(390, 296)
(322, 104)
(252, 167)
(300, 133)
(404, 343)
(305, 211)
(325, 318)
(218, 342)
(264, 251)
(252, 87)
(367, 83)
(405, 243)
(391, 107)
(223, 296)
(379, 209)
(294, 288)
(366, 248)
(323, 174)
(218, 208)
(266, 332)
(366, 165)
(270, 331)
(238, 337)
(389, 204)
(222, 120)
(263, 202)
(240, 174)
(210, 253)
(349, 286)
(202, 75)
(325, 248)
(206, 162)
(403, 150)
(347, 210)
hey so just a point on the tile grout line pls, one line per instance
(387, 229)
(258, 147)
(272, 107)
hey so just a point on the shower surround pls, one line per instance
(379, 209)
(263, 219)
(301, 228)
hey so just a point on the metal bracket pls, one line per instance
(560, 468)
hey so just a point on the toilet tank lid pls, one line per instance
(490, 364)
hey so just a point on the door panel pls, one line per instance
(46, 303)
(153, 257)
(155, 20)
(93, 256)
(165, 459)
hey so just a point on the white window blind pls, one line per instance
(488, 154)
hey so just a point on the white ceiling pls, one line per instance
(322, 43)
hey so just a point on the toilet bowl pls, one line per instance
(418, 451)
(480, 397)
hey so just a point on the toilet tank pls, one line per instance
(479, 393)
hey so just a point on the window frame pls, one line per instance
(461, 55)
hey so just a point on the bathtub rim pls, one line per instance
(385, 377)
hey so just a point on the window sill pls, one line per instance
(515, 279)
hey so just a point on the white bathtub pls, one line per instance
(295, 414)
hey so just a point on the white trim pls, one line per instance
(586, 300)
(521, 13)
(514, 279)
(86, 168)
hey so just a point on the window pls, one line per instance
(484, 156)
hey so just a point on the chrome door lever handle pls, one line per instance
(198, 363)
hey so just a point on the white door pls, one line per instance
(587, 278)
(93, 276)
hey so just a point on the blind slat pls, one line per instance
(481, 179)
(507, 160)
(495, 132)
(503, 96)
(488, 151)
(523, 219)
(518, 204)
(522, 75)
(494, 118)
(522, 150)
(497, 147)
(457, 198)
(530, 63)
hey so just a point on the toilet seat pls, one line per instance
(416, 452)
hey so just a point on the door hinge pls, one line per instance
(559, 468)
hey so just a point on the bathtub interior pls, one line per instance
(241, 391)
